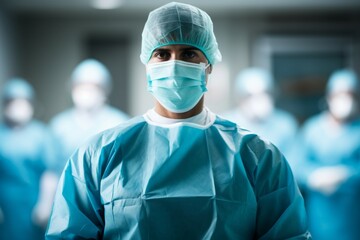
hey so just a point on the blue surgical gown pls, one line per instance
(25, 153)
(144, 181)
(72, 129)
(322, 144)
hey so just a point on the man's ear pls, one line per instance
(210, 69)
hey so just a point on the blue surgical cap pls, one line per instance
(18, 88)
(343, 80)
(254, 80)
(92, 71)
(178, 23)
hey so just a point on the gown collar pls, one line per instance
(202, 120)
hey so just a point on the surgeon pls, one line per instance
(328, 161)
(26, 160)
(256, 111)
(91, 114)
(179, 171)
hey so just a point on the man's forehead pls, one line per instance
(177, 47)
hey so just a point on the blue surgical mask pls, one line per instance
(177, 85)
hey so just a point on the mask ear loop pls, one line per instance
(204, 64)
(209, 74)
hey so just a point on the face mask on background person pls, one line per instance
(88, 97)
(18, 111)
(177, 85)
(258, 106)
(342, 106)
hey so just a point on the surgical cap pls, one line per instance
(178, 23)
(92, 71)
(343, 80)
(254, 80)
(18, 88)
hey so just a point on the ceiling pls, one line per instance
(220, 7)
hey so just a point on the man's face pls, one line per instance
(18, 111)
(342, 105)
(183, 53)
(88, 96)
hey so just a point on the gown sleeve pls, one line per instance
(281, 212)
(77, 211)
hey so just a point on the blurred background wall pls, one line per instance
(7, 46)
(301, 42)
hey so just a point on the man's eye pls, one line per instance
(161, 54)
(189, 54)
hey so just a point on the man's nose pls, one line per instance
(175, 56)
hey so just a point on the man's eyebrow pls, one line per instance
(189, 49)
(162, 49)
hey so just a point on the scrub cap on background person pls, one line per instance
(18, 88)
(92, 71)
(343, 80)
(178, 23)
(254, 80)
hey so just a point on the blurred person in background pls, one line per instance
(328, 161)
(256, 111)
(90, 87)
(179, 171)
(27, 157)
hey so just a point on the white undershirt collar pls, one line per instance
(203, 119)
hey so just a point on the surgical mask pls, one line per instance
(88, 97)
(19, 111)
(342, 106)
(177, 85)
(258, 106)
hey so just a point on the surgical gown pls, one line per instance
(25, 153)
(335, 215)
(186, 181)
(72, 129)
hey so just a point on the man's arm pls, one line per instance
(281, 211)
(77, 211)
